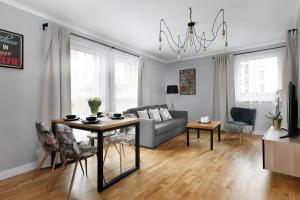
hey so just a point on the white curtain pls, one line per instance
(223, 99)
(289, 71)
(56, 97)
(98, 71)
(258, 78)
(141, 80)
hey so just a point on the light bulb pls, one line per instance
(226, 44)
(223, 34)
(178, 55)
(160, 46)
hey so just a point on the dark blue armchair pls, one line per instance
(241, 117)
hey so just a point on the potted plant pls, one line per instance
(94, 104)
(276, 119)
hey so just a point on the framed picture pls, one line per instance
(187, 81)
(11, 50)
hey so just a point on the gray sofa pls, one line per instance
(153, 134)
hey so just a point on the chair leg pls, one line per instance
(240, 137)
(121, 171)
(39, 165)
(62, 168)
(86, 166)
(120, 155)
(52, 170)
(42, 162)
(122, 145)
(81, 167)
(105, 153)
(73, 176)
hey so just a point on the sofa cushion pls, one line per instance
(134, 110)
(165, 126)
(143, 114)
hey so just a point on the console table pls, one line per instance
(281, 155)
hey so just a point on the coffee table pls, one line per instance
(204, 126)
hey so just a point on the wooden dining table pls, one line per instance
(105, 126)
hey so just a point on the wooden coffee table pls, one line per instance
(201, 126)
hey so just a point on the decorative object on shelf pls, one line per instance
(192, 38)
(276, 119)
(11, 49)
(172, 89)
(94, 104)
(187, 81)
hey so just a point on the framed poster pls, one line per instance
(187, 81)
(11, 50)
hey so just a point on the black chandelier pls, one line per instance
(192, 39)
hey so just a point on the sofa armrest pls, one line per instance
(147, 132)
(179, 114)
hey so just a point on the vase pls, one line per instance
(94, 111)
(277, 123)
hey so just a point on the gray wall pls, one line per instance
(200, 104)
(155, 82)
(20, 91)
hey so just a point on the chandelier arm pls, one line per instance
(211, 41)
(169, 31)
(169, 42)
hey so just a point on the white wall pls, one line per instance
(20, 90)
(20, 99)
(200, 104)
(155, 82)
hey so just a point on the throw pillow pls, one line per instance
(165, 114)
(154, 114)
(143, 114)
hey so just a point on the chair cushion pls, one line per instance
(46, 137)
(165, 126)
(237, 123)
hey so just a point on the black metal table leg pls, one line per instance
(137, 146)
(219, 133)
(187, 137)
(198, 133)
(100, 166)
(211, 139)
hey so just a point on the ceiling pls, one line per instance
(134, 24)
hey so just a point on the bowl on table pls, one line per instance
(71, 116)
(91, 119)
(117, 115)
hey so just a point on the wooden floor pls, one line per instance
(171, 171)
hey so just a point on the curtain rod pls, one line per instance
(45, 25)
(236, 54)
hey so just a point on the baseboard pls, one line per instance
(17, 170)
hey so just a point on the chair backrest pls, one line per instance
(67, 142)
(46, 137)
(246, 115)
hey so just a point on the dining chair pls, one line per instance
(70, 150)
(49, 145)
(123, 137)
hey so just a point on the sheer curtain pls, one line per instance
(258, 77)
(98, 71)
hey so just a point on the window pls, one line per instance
(258, 75)
(97, 71)
(125, 83)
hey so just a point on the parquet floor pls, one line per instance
(171, 171)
